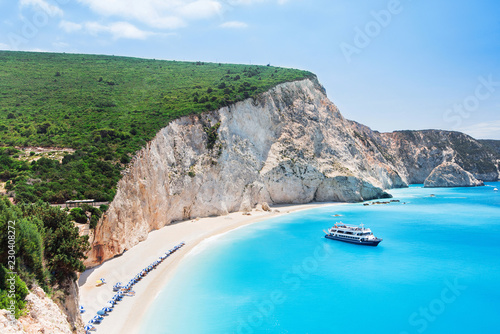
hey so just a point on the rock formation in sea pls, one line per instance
(288, 145)
(449, 174)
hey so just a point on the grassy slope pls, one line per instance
(106, 107)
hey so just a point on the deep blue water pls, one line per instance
(436, 271)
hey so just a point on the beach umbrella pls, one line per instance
(101, 312)
(107, 309)
(89, 327)
(82, 310)
(111, 304)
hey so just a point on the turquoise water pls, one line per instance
(436, 271)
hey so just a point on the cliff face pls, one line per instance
(449, 174)
(43, 316)
(414, 154)
(290, 146)
(494, 145)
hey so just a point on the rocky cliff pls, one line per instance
(291, 145)
(43, 316)
(288, 145)
(449, 174)
(493, 145)
(414, 154)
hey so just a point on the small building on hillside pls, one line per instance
(79, 202)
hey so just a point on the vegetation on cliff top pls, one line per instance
(106, 108)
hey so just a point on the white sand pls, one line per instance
(128, 314)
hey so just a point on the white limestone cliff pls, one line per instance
(289, 145)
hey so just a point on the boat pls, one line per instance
(353, 234)
(495, 189)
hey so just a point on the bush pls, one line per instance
(212, 135)
(125, 159)
(78, 215)
(6, 296)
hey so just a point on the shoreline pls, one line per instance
(128, 315)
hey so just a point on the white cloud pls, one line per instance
(117, 30)
(51, 10)
(70, 26)
(234, 25)
(200, 9)
(165, 14)
(162, 14)
(485, 130)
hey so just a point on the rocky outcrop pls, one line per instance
(414, 154)
(43, 316)
(449, 174)
(290, 145)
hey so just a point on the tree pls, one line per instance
(64, 247)
(65, 250)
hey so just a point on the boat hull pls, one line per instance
(356, 242)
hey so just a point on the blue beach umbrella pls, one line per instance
(101, 312)
(89, 327)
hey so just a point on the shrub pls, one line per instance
(78, 215)
(212, 135)
(21, 291)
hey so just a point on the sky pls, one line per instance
(391, 64)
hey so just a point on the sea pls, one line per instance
(437, 270)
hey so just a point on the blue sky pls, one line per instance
(391, 65)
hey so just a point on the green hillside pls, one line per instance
(106, 108)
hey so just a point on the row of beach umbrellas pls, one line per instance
(124, 290)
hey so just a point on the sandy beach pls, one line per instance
(128, 314)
